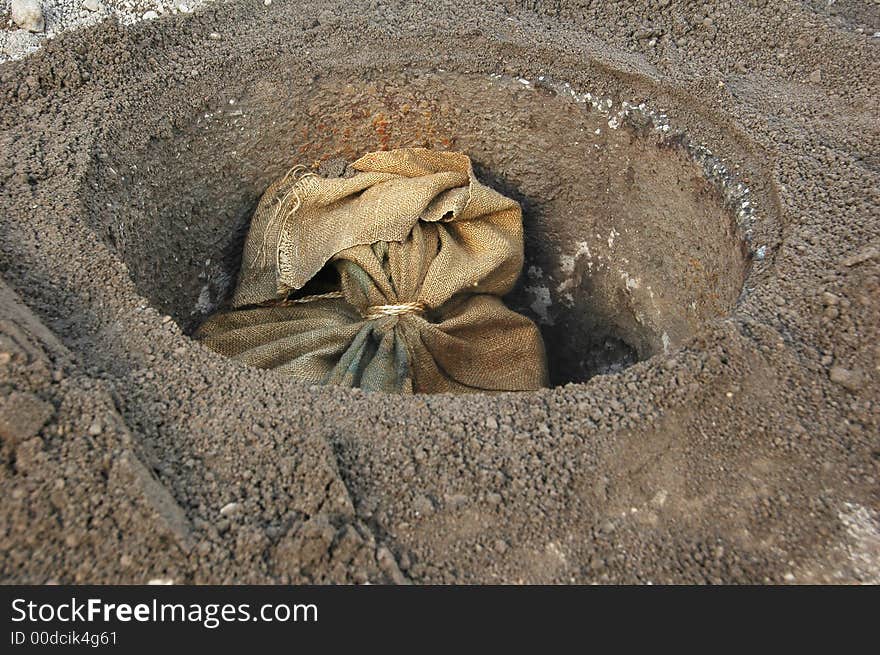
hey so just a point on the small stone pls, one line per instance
(491, 423)
(456, 501)
(133, 477)
(493, 498)
(22, 416)
(645, 33)
(816, 76)
(846, 378)
(423, 505)
(29, 455)
(659, 499)
(861, 256)
(150, 15)
(215, 36)
(92, 5)
(96, 428)
(230, 509)
(267, 2)
(385, 560)
(28, 15)
(829, 299)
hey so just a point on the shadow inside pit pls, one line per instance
(580, 342)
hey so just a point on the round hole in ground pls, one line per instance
(629, 247)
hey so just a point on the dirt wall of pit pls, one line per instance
(742, 449)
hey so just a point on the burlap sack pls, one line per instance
(389, 280)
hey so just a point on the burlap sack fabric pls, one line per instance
(389, 279)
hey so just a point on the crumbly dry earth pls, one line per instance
(60, 16)
(750, 452)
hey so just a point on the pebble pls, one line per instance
(215, 36)
(659, 499)
(455, 501)
(385, 560)
(22, 416)
(816, 76)
(150, 15)
(92, 5)
(423, 505)
(861, 256)
(846, 378)
(28, 15)
(96, 428)
(230, 509)
(829, 299)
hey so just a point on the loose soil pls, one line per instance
(700, 195)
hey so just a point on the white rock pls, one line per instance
(92, 5)
(28, 15)
(150, 15)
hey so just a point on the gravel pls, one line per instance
(46, 19)
(746, 454)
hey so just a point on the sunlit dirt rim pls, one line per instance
(634, 236)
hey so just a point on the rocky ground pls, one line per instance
(17, 39)
(749, 452)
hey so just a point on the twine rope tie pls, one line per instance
(378, 311)
(371, 313)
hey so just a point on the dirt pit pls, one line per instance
(630, 248)
(711, 317)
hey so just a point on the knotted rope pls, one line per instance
(370, 313)
(378, 311)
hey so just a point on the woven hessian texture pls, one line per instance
(415, 253)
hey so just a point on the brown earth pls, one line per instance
(709, 293)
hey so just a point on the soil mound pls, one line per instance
(703, 261)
